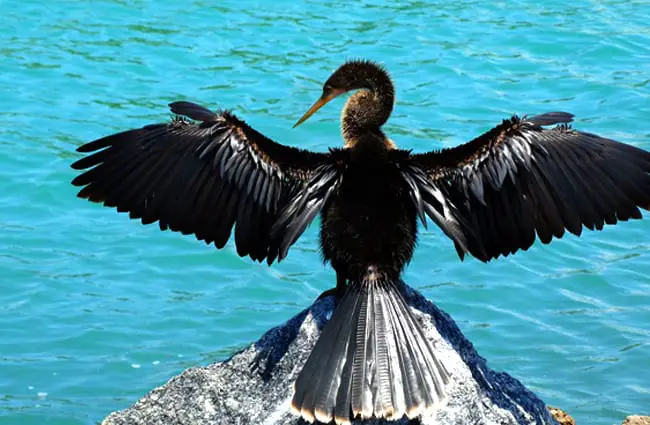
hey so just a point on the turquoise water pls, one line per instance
(95, 309)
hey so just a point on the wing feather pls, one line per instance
(520, 180)
(206, 177)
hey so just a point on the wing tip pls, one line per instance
(77, 166)
(551, 118)
(87, 147)
(193, 111)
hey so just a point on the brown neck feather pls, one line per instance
(364, 114)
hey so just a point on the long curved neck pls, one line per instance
(368, 109)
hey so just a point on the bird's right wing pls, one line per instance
(205, 177)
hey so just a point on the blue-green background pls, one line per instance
(95, 309)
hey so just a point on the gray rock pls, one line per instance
(637, 420)
(255, 386)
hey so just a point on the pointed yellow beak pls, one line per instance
(319, 104)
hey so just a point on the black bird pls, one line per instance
(205, 173)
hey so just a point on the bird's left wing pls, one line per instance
(206, 176)
(493, 195)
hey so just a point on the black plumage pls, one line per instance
(203, 178)
(207, 173)
(519, 180)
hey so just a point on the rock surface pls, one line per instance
(561, 416)
(255, 386)
(637, 420)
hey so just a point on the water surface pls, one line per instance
(95, 309)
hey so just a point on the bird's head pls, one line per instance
(352, 75)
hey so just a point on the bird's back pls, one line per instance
(371, 221)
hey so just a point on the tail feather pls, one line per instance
(409, 373)
(371, 360)
(432, 375)
(329, 382)
(438, 376)
(384, 396)
(363, 353)
(315, 388)
(344, 396)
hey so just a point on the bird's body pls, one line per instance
(491, 196)
(371, 220)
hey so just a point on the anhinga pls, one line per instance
(205, 172)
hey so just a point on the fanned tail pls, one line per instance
(371, 360)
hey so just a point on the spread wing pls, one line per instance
(208, 176)
(493, 195)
